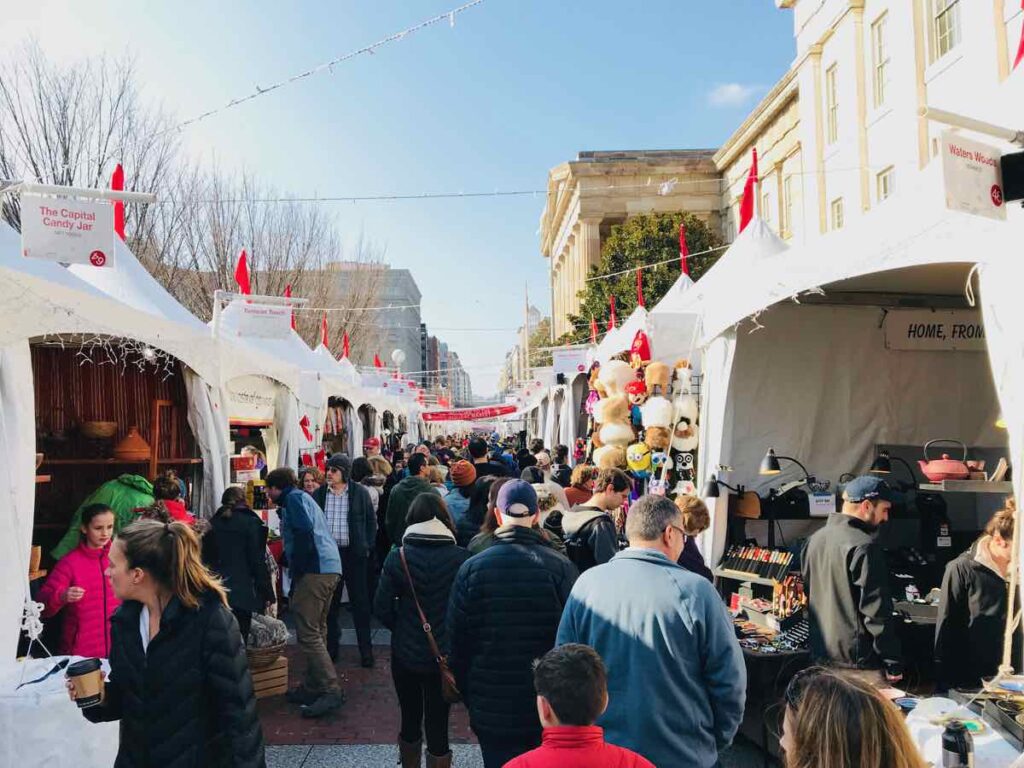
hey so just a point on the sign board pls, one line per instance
(251, 400)
(570, 362)
(953, 330)
(262, 321)
(972, 176)
(68, 231)
(469, 414)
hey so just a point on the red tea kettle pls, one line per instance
(945, 468)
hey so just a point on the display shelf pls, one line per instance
(727, 573)
(968, 486)
(114, 462)
(43, 479)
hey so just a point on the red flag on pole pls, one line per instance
(242, 274)
(323, 332)
(593, 330)
(376, 361)
(611, 318)
(1020, 47)
(344, 345)
(640, 288)
(749, 190)
(684, 251)
(288, 295)
(304, 423)
(117, 182)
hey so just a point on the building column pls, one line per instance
(862, 107)
(819, 139)
(589, 250)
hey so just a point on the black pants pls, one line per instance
(355, 574)
(423, 708)
(496, 753)
(244, 619)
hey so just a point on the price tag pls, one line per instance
(944, 541)
(821, 504)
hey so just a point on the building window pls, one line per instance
(832, 104)
(884, 183)
(786, 209)
(837, 213)
(880, 57)
(946, 27)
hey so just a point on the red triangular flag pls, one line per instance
(323, 332)
(684, 251)
(612, 322)
(304, 423)
(749, 190)
(376, 361)
(288, 295)
(117, 182)
(1020, 47)
(640, 288)
(242, 274)
(593, 330)
(344, 345)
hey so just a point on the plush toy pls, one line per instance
(661, 463)
(657, 420)
(636, 391)
(610, 457)
(685, 485)
(638, 459)
(615, 428)
(640, 351)
(684, 419)
(657, 377)
(683, 375)
(614, 376)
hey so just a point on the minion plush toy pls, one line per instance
(638, 459)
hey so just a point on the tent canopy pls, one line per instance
(620, 339)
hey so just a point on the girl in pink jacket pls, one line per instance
(79, 586)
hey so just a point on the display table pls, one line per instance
(991, 750)
(40, 726)
(767, 678)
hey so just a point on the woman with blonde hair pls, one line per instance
(179, 679)
(696, 520)
(836, 720)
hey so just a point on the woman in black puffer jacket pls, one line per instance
(434, 559)
(179, 680)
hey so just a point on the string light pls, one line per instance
(101, 349)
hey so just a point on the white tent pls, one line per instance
(620, 338)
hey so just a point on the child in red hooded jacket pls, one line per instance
(79, 587)
(572, 692)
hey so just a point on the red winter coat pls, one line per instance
(176, 509)
(570, 746)
(86, 629)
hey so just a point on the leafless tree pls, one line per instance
(71, 125)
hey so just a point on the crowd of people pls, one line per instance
(578, 625)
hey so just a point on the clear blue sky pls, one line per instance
(517, 87)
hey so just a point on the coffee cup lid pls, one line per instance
(83, 667)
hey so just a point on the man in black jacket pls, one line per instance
(505, 607)
(847, 583)
(483, 465)
(352, 522)
(590, 534)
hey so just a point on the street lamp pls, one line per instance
(398, 357)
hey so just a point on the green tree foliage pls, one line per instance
(540, 344)
(641, 240)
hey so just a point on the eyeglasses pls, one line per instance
(681, 531)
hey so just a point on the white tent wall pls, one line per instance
(289, 434)
(550, 419)
(17, 446)
(567, 420)
(208, 422)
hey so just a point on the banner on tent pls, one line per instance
(68, 231)
(251, 399)
(952, 330)
(973, 181)
(469, 414)
(264, 321)
(569, 362)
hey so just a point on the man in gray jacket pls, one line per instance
(676, 678)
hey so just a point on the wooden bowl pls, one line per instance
(98, 430)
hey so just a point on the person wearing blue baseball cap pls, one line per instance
(847, 583)
(503, 613)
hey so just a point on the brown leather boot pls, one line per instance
(410, 753)
(444, 761)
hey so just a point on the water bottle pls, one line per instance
(957, 746)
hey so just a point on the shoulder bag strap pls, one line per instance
(423, 617)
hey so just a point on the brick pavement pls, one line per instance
(370, 714)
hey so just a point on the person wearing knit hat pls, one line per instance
(463, 475)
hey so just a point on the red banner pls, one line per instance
(469, 414)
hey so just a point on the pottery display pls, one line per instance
(98, 430)
(945, 468)
(132, 447)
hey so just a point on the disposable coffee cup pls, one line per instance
(87, 678)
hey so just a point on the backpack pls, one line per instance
(577, 549)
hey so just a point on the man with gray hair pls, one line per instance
(676, 678)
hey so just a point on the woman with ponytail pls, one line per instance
(179, 680)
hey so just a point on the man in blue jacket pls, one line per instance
(314, 567)
(676, 678)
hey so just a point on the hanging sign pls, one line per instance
(469, 414)
(251, 400)
(569, 362)
(263, 321)
(972, 176)
(68, 231)
(953, 330)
